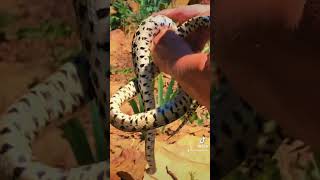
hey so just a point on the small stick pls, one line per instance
(171, 174)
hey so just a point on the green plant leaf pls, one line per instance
(30, 33)
(101, 148)
(134, 106)
(76, 136)
(160, 90)
(146, 8)
(122, 71)
(46, 30)
(206, 48)
(193, 117)
(174, 94)
(200, 122)
(121, 18)
(169, 92)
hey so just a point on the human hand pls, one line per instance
(168, 47)
(191, 70)
(177, 56)
(198, 38)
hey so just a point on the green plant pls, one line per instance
(168, 96)
(161, 97)
(124, 15)
(137, 109)
(75, 134)
(121, 71)
(147, 7)
(206, 48)
(195, 118)
(98, 132)
(46, 30)
(120, 19)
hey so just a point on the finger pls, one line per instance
(158, 37)
(164, 12)
(198, 39)
(176, 14)
(182, 14)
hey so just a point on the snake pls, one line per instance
(74, 84)
(146, 71)
(237, 127)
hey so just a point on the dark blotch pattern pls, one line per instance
(102, 13)
(5, 131)
(5, 148)
(17, 172)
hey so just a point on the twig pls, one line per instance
(174, 177)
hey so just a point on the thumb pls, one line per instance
(157, 38)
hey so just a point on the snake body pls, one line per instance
(146, 72)
(73, 85)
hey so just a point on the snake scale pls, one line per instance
(236, 126)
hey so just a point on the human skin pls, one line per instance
(183, 61)
(272, 62)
